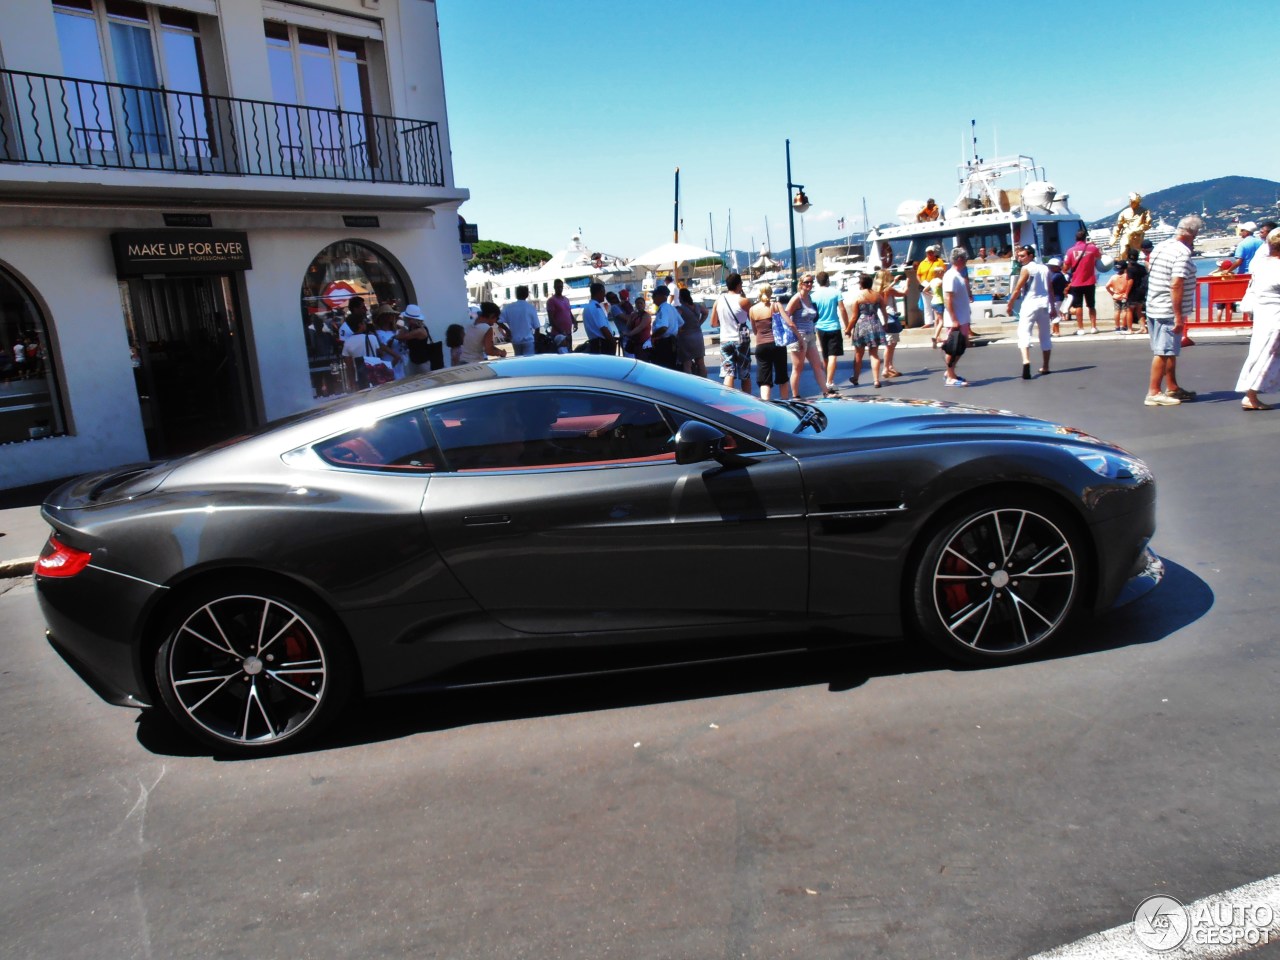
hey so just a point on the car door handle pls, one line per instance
(486, 520)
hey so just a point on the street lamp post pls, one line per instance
(796, 203)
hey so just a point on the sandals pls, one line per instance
(877, 384)
(894, 373)
(1250, 407)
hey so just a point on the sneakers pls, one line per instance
(1161, 400)
(955, 382)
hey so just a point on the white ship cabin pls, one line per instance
(1002, 204)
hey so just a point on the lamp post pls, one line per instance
(796, 203)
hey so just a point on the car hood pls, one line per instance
(876, 417)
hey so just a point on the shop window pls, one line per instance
(29, 404)
(343, 271)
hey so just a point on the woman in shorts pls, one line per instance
(771, 356)
(802, 313)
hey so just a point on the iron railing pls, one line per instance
(62, 121)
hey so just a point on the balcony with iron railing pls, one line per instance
(64, 122)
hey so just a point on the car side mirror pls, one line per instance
(697, 441)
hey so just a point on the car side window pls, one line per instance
(398, 443)
(546, 429)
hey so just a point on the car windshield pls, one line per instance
(735, 403)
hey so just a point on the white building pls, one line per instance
(189, 189)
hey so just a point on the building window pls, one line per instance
(340, 272)
(322, 73)
(29, 402)
(142, 48)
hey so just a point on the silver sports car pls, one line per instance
(552, 514)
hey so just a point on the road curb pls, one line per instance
(21, 567)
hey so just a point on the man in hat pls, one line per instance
(1247, 246)
(1131, 226)
(416, 339)
(1171, 297)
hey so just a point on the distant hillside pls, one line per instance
(1221, 202)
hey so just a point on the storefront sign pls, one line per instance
(188, 220)
(359, 220)
(151, 252)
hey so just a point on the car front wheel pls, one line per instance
(998, 580)
(245, 672)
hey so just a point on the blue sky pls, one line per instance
(568, 115)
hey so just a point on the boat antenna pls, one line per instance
(973, 126)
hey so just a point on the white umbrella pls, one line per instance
(673, 253)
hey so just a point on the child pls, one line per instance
(1119, 286)
(1225, 269)
(454, 336)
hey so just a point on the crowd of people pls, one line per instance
(768, 343)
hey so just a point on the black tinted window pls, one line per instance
(550, 428)
(401, 442)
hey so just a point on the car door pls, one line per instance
(563, 510)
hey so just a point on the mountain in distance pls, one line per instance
(1221, 203)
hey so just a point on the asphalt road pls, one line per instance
(865, 803)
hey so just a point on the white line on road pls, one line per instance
(1227, 915)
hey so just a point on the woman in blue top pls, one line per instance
(801, 317)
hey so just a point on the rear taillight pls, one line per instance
(61, 560)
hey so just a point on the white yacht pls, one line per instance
(1002, 204)
(577, 265)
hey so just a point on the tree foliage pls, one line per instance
(496, 256)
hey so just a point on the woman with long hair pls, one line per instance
(771, 356)
(691, 343)
(802, 315)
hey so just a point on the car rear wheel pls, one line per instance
(245, 672)
(998, 579)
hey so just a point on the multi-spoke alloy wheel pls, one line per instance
(247, 671)
(997, 581)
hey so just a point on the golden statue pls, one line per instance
(1132, 223)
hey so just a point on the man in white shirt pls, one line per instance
(595, 318)
(1037, 308)
(521, 319)
(666, 324)
(1171, 295)
(957, 298)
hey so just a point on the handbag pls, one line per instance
(783, 335)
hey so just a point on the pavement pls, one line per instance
(23, 532)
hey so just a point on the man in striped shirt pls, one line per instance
(1171, 294)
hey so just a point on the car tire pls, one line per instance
(249, 671)
(998, 579)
